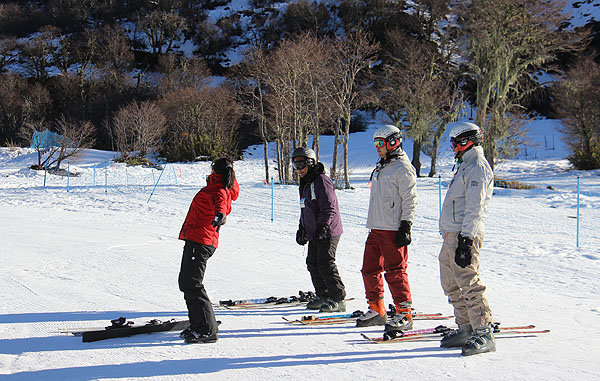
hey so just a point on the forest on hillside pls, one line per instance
(192, 80)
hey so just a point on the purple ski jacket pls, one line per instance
(318, 203)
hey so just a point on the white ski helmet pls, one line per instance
(464, 132)
(391, 134)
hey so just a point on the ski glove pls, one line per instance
(403, 235)
(300, 240)
(322, 232)
(219, 220)
(462, 255)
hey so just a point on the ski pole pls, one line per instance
(578, 191)
(440, 193)
(105, 177)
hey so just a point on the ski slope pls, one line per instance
(103, 245)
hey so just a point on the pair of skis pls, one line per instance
(302, 298)
(351, 318)
(440, 331)
(121, 327)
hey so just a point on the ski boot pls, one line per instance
(457, 338)
(402, 320)
(193, 337)
(331, 305)
(376, 315)
(315, 303)
(481, 341)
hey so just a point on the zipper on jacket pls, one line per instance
(453, 214)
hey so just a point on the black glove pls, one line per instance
(403, 235)
(462, 255)
(300, 240)
(322, 232)
(219, 220)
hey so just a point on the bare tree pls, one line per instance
(353, 55)
(138, 127)
(201, 123)
(161, 29)
(36, 54)
(73, 138)
(7, 53)
(294, 81)
(251, 90)
(509, 39)
(578, 105)
(180, 73)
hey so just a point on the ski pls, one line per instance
(439, 331)
(349, 318)
(122, 328)
(302, 298)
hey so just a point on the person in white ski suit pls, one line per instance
(392, 205)
(462, 227)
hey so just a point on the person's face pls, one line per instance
(380, 146)
(300, 160)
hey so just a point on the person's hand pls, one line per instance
(300, 239)
(462, 256)
(219, 220)
(403, 237)
(322, 232)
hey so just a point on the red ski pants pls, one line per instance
(382, 254)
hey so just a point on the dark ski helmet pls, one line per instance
(389, 135)
(309, 154)
(465, 135)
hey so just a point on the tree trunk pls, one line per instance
(416, 161)
(335, 149)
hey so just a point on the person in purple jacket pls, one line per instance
(320, 226)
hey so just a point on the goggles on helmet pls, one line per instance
(379, 142)
(300, 164)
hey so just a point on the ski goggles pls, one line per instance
(458, 142)
(379, 142)
(300, 164)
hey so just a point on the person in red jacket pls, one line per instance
(200, 231)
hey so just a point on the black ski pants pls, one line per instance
(320, 262)
(191, 275)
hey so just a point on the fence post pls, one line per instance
(45, 170)
(578, 191)
(155, 185)
(68, 175)
(272, 201)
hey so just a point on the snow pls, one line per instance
(101, 248)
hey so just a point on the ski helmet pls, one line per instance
(390, 135)
(309, 154)
(465, 135)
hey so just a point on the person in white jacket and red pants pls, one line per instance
(462, 228)
(392, 206)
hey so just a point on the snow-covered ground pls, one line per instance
(79, 254)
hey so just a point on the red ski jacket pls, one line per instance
(210, 200)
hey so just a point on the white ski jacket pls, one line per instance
(465, 205)
(393, 194)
